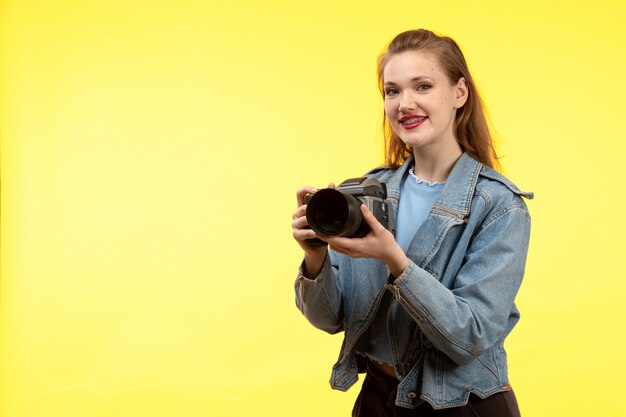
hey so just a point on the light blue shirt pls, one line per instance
(417, 198)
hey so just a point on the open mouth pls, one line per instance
(412, 122)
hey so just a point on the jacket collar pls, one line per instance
(456, 195)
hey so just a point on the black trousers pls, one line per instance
(378, 394)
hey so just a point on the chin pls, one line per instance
(416, 142)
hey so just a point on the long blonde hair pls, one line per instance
(470, 126)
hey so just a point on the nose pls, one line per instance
(407, 104)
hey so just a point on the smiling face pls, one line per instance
(421, 101)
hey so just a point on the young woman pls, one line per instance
(425, 312)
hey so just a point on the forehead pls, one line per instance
(411, 64)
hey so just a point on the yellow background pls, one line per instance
(149, 158)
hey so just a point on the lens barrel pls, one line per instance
(332, 213)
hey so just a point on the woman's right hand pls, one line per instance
(314, 255)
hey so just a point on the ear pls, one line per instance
(461, 93)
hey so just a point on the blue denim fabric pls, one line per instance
(456, 296)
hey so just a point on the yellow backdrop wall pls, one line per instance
(150, 152)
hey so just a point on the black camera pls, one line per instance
(336, 212)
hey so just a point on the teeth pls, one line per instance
(412, 121)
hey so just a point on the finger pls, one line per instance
(372, 221)
(300, 212)
(304, 191)
(331, 240)
(338, 250)
(347, 251)
(343, 243)
(331, 185)
(303, 234)
(332, 243)
(300, 223)
(322, 237)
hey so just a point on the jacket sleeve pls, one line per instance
(465, 321)
(320, 298)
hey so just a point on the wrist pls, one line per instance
(397, 261)
(316, 253)
(313, 262)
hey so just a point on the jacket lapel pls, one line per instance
(451, 208)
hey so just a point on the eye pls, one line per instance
(391, 91)
(423, 87)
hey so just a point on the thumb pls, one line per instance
(373, 223)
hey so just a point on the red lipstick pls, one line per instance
(412, 121)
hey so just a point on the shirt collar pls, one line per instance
(458, 190)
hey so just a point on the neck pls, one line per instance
(434, 164)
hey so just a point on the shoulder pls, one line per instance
(490, 179)
(501, 195)
(381, 173)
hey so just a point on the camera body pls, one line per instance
(336, 212)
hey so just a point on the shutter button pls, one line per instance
(411, 395)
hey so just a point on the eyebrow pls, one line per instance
(418, 78)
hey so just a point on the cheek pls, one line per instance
(389, 110)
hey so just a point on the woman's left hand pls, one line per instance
(379, 243)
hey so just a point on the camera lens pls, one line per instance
(333, 213)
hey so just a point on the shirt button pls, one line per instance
(411, 395)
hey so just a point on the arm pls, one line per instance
(320, 298)
(318, 291)
(465, 321)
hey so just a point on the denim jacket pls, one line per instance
(455, 298)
